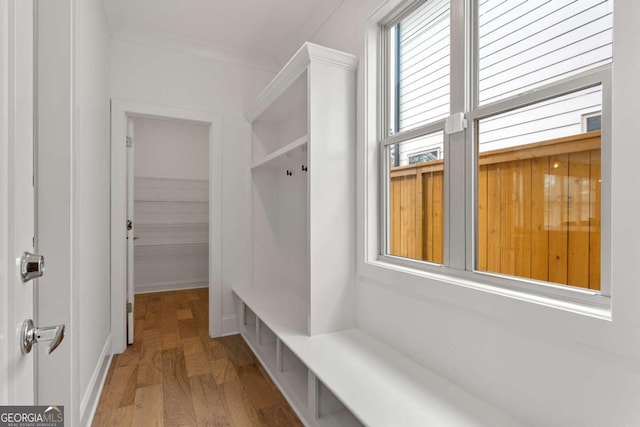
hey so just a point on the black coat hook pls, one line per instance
(304, 168)
(289, 173)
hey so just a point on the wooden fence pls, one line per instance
(538, 211)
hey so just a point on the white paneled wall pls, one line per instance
(172, 227)
(171, 210)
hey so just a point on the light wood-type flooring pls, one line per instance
(175, 375)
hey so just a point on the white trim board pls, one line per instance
(230, 325)
(120, 109)
(192, 47)
(91, 398)
(146, 288)
(294, 68)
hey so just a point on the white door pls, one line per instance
(16, 196)
(130, 230)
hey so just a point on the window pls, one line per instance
(418, 83)
(419, 71)
(416, 210)
(494, 138)
(539, 192)
(425, 156)
(523, 45)
(592, 122)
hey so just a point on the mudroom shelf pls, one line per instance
(296, 149)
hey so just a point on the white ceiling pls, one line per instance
(262, 31)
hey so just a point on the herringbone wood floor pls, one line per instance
(175, 375)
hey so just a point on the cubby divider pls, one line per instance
(267, 344)
(250, 322)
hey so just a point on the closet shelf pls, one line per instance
(156, 200)
(281, 153)
(172, 224)
(169, 246)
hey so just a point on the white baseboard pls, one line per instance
(230, 325)
(89, 402)
(169, 286)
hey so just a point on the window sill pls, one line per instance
(478, 291)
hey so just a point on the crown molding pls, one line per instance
(193, 47)
(307, 54)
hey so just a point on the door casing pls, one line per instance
(17, 205)
(120, 110)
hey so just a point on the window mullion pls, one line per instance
(471, 165)
(456, 173)
(606, 190)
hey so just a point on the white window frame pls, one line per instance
(460, 177)
(425, 151)
(587, 116)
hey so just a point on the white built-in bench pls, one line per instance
(349, 378)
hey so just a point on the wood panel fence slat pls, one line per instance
(538, 211)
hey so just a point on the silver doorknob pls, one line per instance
(30, 335)
(31, 266)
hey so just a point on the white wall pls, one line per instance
(94, 150)
(171, 149)
(53, 208)
(159, 76)
(542, 365)
(73, 191)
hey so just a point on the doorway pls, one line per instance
(171, 208)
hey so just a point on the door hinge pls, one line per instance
(129, 142)
(129, 307)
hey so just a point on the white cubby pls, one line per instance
(294, 374)
(303, 192)
(273, 344)
(303, 213)
(267, 345)
(283, 121)
(349, 378)
(331, 411)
